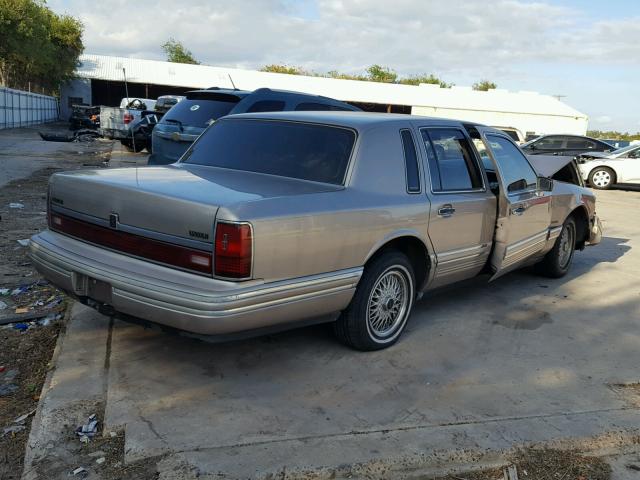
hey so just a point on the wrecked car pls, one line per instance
(275, 220)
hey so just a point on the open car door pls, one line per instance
(524, 209)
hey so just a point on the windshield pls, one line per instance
(305, 151)
(625, 149)
(199, 112)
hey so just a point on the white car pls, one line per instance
(602, 169)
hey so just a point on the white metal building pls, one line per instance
(101, 82)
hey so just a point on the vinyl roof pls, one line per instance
(203, 76)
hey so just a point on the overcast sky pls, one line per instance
(586, 50)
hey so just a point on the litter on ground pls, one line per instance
(88, 430)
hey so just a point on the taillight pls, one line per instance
(128, 118)
(167, 253)
(233, 250)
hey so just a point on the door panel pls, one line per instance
(463, 211)
(524, 214)
(460, 228)
(628, 169)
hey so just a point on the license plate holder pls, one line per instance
(99, 290)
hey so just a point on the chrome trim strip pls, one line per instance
(205, 301)
(523, 244)
(467, 252)
(524, 248)
(554, 232)
(141, 232)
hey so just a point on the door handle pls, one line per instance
(519, 210)
(446, 210)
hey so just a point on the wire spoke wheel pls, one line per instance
(566, 241)
(388, 303)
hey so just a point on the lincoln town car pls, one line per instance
(276, 220)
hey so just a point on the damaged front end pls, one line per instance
(560, 168)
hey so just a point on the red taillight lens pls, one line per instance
(233, 250)
(167, 253)
(128, 118)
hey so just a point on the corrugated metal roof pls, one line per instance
(202, 76)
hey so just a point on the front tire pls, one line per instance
(557, 261)
(381, 306)
(602, 178)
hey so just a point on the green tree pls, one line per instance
(613, 135)
(378, 73)
(38, 48)
(275, 68)
(178, 53)
(375, 73)
(430, 79)
(484, 85)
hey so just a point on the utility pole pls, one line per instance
(126, 90)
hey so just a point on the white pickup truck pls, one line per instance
(115, 121)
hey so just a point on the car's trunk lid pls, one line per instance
(173, 201)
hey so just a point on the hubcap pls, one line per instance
(601, 178)
(388, 303)
(567, 242)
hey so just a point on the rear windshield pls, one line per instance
(318, 153)
(200, 112)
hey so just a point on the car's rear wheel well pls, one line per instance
(581, 218)
(416, 252)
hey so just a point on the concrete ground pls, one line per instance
(481, 369)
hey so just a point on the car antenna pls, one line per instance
(231, 79)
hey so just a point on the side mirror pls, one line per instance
(545, 184)
(517, 185)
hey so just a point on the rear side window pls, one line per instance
(452, 165)
(411, 162)
(580, 143)
(319, 107)
(267, 106)
(200, 112)
(306, 151)
(549, 143)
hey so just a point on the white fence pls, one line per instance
(22, 109)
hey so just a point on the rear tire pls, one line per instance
(602, 178)
(557, 261)
(381, 306)
(128, 144)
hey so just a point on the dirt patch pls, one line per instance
(26, 346)
(543, 464)
(24, 356)
(628, 392)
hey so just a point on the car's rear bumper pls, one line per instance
(182, 300)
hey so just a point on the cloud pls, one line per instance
(451, 38)
(603, 119)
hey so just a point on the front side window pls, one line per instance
(452, 165)
(580, 143)
(512, 163)
(319, 153)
